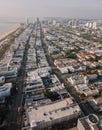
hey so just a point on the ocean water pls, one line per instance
(8, 23)
(4, 27)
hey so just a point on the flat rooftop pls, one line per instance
(52, 112)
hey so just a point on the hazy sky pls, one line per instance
(63, 8)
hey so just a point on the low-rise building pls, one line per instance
(80, 83)
(88, 123)
(5, 91)
(96, 104)
(48, 115)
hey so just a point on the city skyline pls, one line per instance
(53, 8)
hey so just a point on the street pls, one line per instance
(18, 98)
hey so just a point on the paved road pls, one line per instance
(18, 98)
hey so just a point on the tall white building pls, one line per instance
(90, 25)
(94, 25)
(54, 22)
(27, 21)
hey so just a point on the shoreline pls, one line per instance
(3, 35)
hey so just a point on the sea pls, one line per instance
(4, 27)
(8, 23)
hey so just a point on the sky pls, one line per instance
(51, 8)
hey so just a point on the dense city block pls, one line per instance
(51, 76)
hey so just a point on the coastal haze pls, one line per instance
(5, 27)
(18, 10)
(51, 8)
(8, 25)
